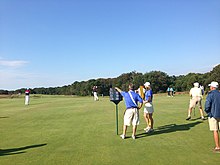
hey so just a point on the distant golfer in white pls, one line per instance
(27, 96)
(95, 94)
(196, 99)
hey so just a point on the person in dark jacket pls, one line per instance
(212, 108)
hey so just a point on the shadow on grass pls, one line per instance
(20, 150)
(199, 118)
(3, 117)
(169, 128)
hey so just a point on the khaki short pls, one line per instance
(214, 124)
(148, 108)
(195, 101)
(131, 115)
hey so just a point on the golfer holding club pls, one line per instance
(196, 98)
(131, 114)
(95, 94)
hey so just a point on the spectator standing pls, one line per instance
(148, 108)
(168, 91)
(131, 114)
(212, 108)
(171, 91)
(202, 89)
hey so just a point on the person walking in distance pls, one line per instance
(212, 108)
(27, 96)
(148, 108)
(168, 91)
(133, 102)
(171, 91)
(196, 99)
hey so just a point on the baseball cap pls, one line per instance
(214, 84)
(147, 84)
(196, 84)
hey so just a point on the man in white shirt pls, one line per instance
(196, 99)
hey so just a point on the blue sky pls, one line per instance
(50, 43)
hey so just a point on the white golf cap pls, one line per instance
(214, 84)
(147, 84)
(196, 84)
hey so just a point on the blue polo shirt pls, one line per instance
(128, 101)
(149, 94)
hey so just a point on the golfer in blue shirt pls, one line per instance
(148, 108)
(131, 114)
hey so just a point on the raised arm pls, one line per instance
(119, 90)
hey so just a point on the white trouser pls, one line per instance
(96, 96)
(27, 99)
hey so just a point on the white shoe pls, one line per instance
(147, 128)
(133, 137)
(122, 136)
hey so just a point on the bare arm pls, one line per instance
(140, 105)
(119, 90)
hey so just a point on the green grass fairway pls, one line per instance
(65, 130)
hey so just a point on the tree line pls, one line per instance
(160, 81)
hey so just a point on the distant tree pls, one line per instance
(159, 80)
(185, 83)
(214, 75)
(137, 79)
(4, 92)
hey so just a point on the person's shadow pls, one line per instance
(20, 150)
(3, 117)
(169, 128)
